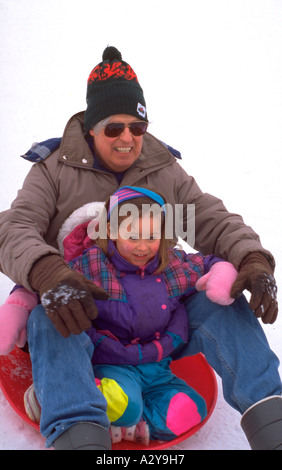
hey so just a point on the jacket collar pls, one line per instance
(74, 150)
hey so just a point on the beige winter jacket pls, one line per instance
(66, 180)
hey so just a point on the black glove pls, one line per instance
(256, 275)
(67, 296)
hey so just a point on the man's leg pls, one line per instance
(235, 345)
(63, 379)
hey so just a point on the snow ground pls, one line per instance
(211, 74)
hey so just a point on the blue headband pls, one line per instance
(130, 192)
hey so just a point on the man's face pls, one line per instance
(118, 153)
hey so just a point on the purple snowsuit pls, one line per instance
(144, 319)
(138, 328)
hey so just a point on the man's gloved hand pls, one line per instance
(256, 275)
(67, 296)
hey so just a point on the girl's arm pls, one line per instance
(211, 274)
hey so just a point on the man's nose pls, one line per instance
(126, 135)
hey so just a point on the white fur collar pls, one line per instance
(90, 211)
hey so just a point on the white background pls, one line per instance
(211, 71)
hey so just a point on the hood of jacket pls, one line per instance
(73, 238)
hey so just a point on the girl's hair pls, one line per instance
(143, 205)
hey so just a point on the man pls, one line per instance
(101, 149)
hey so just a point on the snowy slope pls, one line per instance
(211, 74)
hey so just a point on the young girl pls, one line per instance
(144, 322)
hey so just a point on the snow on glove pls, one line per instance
(14, 314)
(256, 275)
(217, 283)
(67, 296)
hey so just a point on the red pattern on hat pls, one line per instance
(111, 71)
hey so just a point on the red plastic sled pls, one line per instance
(16, 377)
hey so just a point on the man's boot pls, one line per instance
(84, 436)
(262, 424)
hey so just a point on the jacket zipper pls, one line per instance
(142, 272)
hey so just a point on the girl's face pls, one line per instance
(139, 241)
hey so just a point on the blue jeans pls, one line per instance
(234, 344)
(231, 339)
(63, 378)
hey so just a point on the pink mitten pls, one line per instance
(217, 283)
(13, 319)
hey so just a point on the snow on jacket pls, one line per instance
(144, 319)
(70, 178)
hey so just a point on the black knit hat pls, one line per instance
(113, 88)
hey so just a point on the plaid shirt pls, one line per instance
(181, 273)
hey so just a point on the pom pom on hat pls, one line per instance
(111, 53)
(113, 88)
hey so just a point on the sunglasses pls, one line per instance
(115, 129)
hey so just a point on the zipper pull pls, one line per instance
(142, 272)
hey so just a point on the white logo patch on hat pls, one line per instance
(141, 110)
